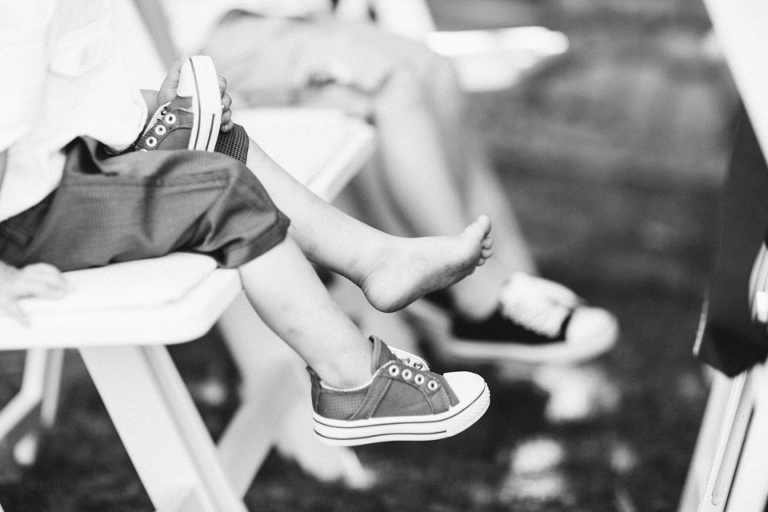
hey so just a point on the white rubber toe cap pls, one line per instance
(467, 386)
(593, 329)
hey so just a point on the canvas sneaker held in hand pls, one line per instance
(193, 119)
(404, 401)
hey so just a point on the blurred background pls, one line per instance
(613, 154)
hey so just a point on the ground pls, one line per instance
(613, 157)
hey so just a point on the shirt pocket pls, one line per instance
(82, 49)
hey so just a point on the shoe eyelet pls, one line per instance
(151, 142)
(419, 379)
(394, 371)
(407, 374)
(170, 118)
(160, 130)
(142, 149)
(432, 385)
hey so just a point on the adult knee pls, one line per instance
(441, 77)
(403, 89)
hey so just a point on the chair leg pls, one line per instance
(160, 428)
(51, 387)
(736, 417)
(732, 448)
(275, 385)
(706, 444)
(20, 418)
(25, 450)
(749, 488)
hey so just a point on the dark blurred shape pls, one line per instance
(732, 342)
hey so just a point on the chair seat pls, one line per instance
(157, 301)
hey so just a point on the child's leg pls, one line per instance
(287, 294)
(392, 271)
(362, 391)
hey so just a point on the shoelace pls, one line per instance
(538, 321)
(410, 359)
(523, 301)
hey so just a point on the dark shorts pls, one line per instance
(146, 204)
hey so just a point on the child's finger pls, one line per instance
(39, 288)
(222, 85)
(46, 273)
(171, 83)
(226, 121)
(12, 309)
(226, 101)
(43, 269)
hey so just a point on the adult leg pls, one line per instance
(367, 72)
(352, 65)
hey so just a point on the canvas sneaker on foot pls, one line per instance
(537, 322)
(403, 402)
(193, 119)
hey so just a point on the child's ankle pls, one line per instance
(346, 382)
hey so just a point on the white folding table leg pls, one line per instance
(160, 428)
(275, 406)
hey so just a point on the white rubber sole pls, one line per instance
(435, 325)
(471, 407)
(200, 81)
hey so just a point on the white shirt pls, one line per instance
(194, 21)
(63, 76)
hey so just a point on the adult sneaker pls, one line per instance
(191, 120)
(537, 321)
(404, 401)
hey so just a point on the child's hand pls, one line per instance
(38, 280)
(169, 86)
(226, 104)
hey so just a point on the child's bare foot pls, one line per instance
(409, 268)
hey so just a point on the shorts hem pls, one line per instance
(267, 240)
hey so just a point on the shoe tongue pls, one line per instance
(180, 102)
(381, 354)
